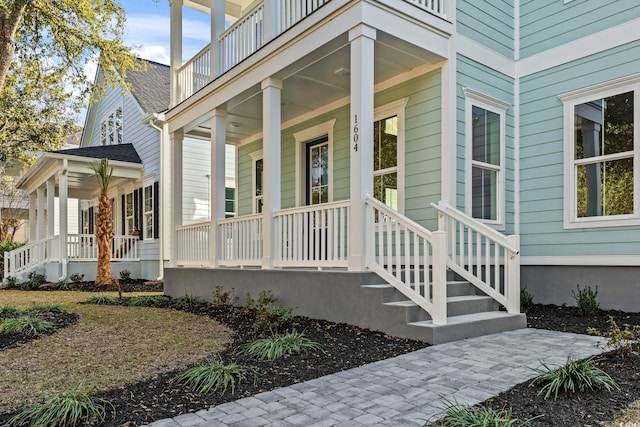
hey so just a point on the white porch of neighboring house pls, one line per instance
(52, 248)
(287, 63)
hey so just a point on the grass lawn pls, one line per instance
(110, 346)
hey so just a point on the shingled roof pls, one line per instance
(151, 88)
(120, 152)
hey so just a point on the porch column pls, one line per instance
(176, 192)
(217, 28)
(271, 93)
(63, 193)
(362, 39)
(32, 217)
(41, 223)
(176, 48)
(217, 202)
(51, 198)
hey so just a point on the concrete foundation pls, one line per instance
(618, 287)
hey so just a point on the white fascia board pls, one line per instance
(483, 55)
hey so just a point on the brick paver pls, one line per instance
(402, 391)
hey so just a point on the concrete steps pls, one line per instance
(470, 314)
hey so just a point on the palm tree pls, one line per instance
(104, 229)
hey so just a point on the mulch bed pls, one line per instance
(60, 320)
(348, 346)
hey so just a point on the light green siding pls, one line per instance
(545, 24)
(483, 79)
(489, 22)
(542, 158)
(422, 150)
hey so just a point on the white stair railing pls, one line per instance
(313, 236)
(192, 244)
(409, 257)
(241, 241)
(486, 258)
(25, 257)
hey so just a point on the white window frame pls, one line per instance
(126, 218)
(255, 156)
(111, 128)
(301, 138)
(145, 213)
(474, 98)
(570, 101)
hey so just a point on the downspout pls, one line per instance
(150, 120)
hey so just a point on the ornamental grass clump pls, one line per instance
(586, 300)
(10, 309)
(26, 325)
(275, 346)
(215, 376)
(46, 308)
(458, 415)
(146, 300)
(103, 300)
(575, 375)
(189, 300)
(72, 408)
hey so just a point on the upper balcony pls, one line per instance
(251, 29)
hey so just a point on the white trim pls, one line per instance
(477, 99)
(586, 260)
(581, 48)
(255, 156)
(581, 96)
(147, 182)
(301, 138)
(485, 56)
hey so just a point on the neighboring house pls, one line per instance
(385, 146)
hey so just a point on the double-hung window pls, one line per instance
(257, 177)
(388, 154)
(111, 128)
(601, 158)
(148, 212)
(129, 214)
(485, 146)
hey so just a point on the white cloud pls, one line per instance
(153, 53)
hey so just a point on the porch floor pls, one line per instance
(406, 390)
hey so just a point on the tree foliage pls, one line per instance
(45, 47)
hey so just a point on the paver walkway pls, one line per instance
(403, 391)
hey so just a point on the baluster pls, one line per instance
(407, 261)
(496, 248)
(416, 266)
(487, 261)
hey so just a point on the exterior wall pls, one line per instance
(489, 22)
(545, 24)
(481, 78)
(422, 151)
(542, 159)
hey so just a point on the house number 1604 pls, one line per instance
(356, 136)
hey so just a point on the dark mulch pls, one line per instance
(132, 285)
(60, 320)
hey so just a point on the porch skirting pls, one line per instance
(330, 295)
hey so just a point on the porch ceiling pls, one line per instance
(319, 79)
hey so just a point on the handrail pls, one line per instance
(310, 208)
(190, 226)
(407, 222)
(27, 256)
(194, 58)
(240, 218)
(475, 225)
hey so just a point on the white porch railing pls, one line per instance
(241, 241)
(486, 258)
(242, 38)
(436, 7)
(195, 74)
(84, 247)
(192, 244)
(25, 257)
(409, 257)
(313, 236)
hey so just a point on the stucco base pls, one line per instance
(618, 287)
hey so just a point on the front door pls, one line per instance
(317, 171)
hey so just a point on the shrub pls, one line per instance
(125, 275)
(188, 300)
(575, 375)
(72, 408)
(586, 300)
(35, 280)
(214, 375)
(76, 277)
(276, 346)
(269, 314)
(10, 282)
(146, 301)
(457, 415)
(620, 340)
(223, 298)
(25, 325)
(62, 285)
(46, 308)
(103, 300)
(526, 300)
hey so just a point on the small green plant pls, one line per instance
(103, 300)
(189, 300)
(458, 415)
(273, 318)
(76, 277)
(25, 325)
(10, 282)
(223, 298)
(276, 346)
(125, 275)
(72, 408)
(62, 285)
(146, 301)
(46, 308)
(35, 280)
(574, 375)
(214, 376)
(621, 340)
(586, 300)
(526, 300)
(10, 309)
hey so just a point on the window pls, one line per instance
(85, 221)
(485, 142)
(111, 128)
(148, 212)
(258, 174)
(385, 161)
(229, 202)
(601, 158)
(129, 214)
